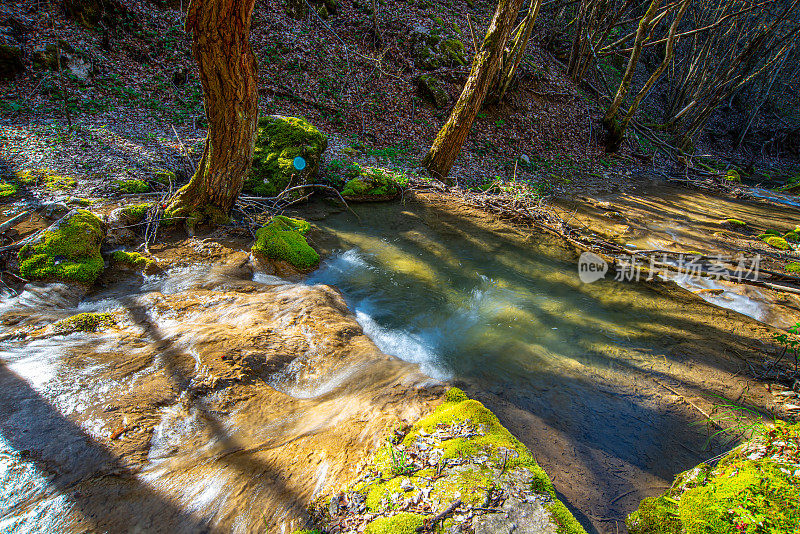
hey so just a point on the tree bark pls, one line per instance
(482, 75)
(228, 72)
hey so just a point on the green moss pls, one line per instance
(733, 222)
(282, 238)
(7, 189)
(69, 252)
(279, 140)
(372, 181)
(453, 49)
(733, 176)
(131, 187)
(85, 322)
(131, 258)
(470, 485)
(47, 178)
(792, 237)
(315, 531)
(402, 523)
(135, 212)
(793, 267)
(79, 201)
(164, 177)
(777, 242)
(743, 494)
(751, 496)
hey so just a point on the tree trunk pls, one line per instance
(482, 74)
(221, 45)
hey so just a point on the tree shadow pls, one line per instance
(105, 492)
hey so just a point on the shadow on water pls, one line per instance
(81, 469)
(581, 373)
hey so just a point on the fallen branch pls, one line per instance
(13, 221)
(430, 523)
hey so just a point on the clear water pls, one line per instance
(567, 366)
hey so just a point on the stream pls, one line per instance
(225, 398)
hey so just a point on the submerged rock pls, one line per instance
(287, 153)
(283, 239)
(68, 251)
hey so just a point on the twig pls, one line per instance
(429, 524)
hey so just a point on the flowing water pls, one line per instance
(580, 372)
(226, 399)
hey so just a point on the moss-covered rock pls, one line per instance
(753, 489)
(131, 187)
(7, 189)
(134, 213)
(68, 251)
(460, 452)
(402, 523)
(131, 259)
(279, 142)
(371, 182)
(85, 322)
(432, 89)
(792, 237)
(283, 238)
(777, 242)
(437, 45)
(47, 178)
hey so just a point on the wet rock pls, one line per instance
(10, 62)
(287, 153)
(53, 210)
(432, 89)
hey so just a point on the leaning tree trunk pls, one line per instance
(221, 45)
(482, 74)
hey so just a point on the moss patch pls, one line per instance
(752, 490)
(792, 237)
(67, 251)
(48, 179)
(133, 259)
(7, 189)
(283, 238)
(372, 181)
(131, 187)
(777, 242)
(793, 267)
(85, 322)
(402, 523)
(279, 140)
(135, 213)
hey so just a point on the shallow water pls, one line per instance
(242, 396)
(569, 367)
